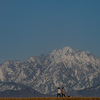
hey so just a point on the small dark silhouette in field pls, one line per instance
(58, 92)
(63, 93)
(69, 96)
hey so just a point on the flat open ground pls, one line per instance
(54, 98)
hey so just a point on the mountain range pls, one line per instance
(75, 70)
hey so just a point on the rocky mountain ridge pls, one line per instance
(72, 69)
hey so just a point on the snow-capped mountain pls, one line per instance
(72, 69)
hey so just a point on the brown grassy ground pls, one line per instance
(54, 98)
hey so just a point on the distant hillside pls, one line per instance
(23, 93)
(11, 86)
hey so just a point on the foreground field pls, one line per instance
(54, 98)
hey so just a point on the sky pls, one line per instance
(35, 27)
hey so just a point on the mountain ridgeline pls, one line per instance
(72, 69)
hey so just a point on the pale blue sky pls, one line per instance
(33, 27)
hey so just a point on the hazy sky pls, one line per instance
(33, 27)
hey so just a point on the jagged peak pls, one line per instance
(67, 48)
(63, 50)
(32, 58)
